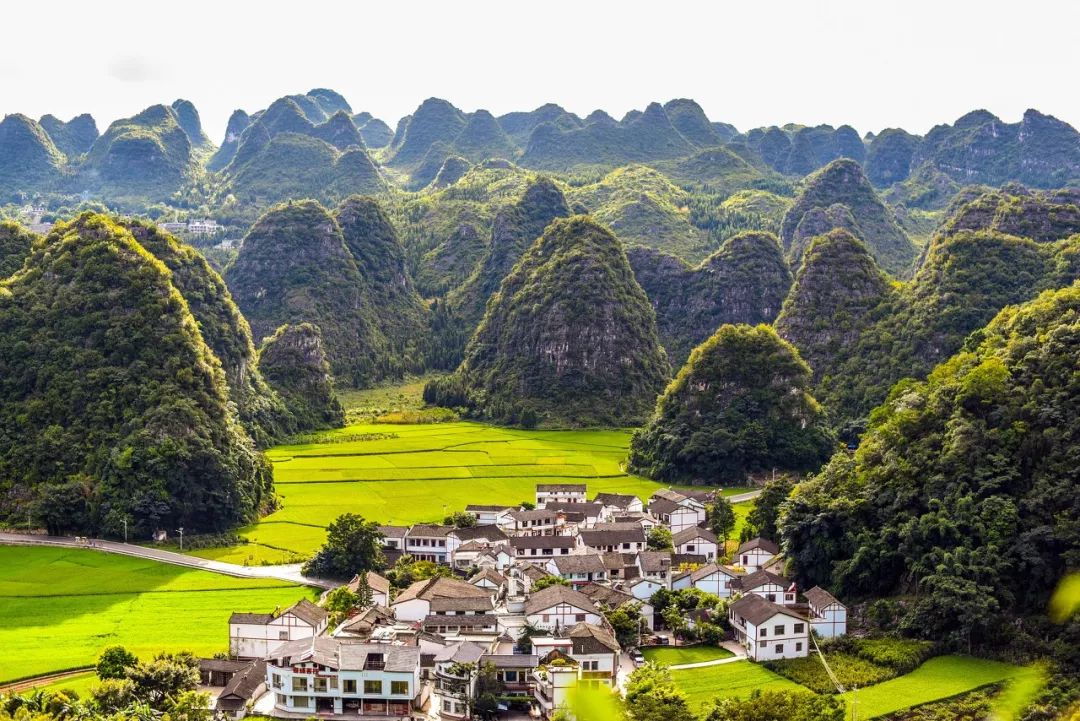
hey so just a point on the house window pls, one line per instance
(564, 551)
(799, 627)
(277, 680)
(299, 684)
(320, 685)
(546, 618)
(373, 687)
(301, 701)
(580, 618)
(779, 648)
(762, 644)
(745, 560)
(689, 548)
(798, 646)
(279, 699)
(510, 676)
(283, 635)
(350, 685)
(547, 552)
(764, 631)
(771, 597)
(399, 688)
(778, 629)
(446, 706)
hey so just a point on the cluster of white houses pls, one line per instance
(415, 654)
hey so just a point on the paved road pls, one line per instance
(289, 572)
(743, 497)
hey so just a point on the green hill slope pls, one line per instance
(295, 365)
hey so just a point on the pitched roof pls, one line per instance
(460, 652)
(368, 619)
(487, 533)
(579, 563)
(554, 595)
(455, 620)
(245, 682)
(612, 534)
(488, 574)
(709, 569)
(564, 487)
(689, 534)
(757, 579)
(610, 597)
(653, 561)
(589, 509)
(375, 582)
(478, 508)
(763, 543)
(252, 619)
(663, 505)
(342, 654)
(541, 514)
(468, 603)
(543, 541)
(394, 531)
(533, 571)
(669, 495)
(757, 610)
(442, 587)
(307, 611)
(592, 636)
(616, 500)
(820, 598)
(425, 530)
(511, 660)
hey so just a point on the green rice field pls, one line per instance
(60, 607)
(403, 474)
(738, 679)
(674, 656)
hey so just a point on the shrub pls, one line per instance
(851, 671)
(900, 654)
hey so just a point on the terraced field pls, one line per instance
(402, 474)
(60, 607)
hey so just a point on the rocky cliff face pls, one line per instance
(745, 281)
(843, 182)
(569, 338)
(295, 365)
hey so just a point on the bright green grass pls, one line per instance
(60, 607)
(939, 678)
(79, 684)
(672, 656)
(420, 475)
(737, 679)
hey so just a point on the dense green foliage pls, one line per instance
(294, 364)
(843, 182)
(29, 160)
(777, 705)
(353, 546)
(741, 404)
(888, 159)
(745, 281)
(963, 489)
(74, 137)
(652, 695)
(1013, 210)
(223, 329)
(15, 242)
(114, 406)
(850, 671)
(569, 338)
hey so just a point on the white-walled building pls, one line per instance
(415, 603)
(674, 516)
(334, 676)
(561, 492)
(613, 537)
(643, 589)
(487, 515)
(613, 504)
(380, 588)
(257, 635)
(579, 568)
(713, 578)
(698, 541)
(559, 607)
(768, 631)
(428, 543)
(540, 522)
(756, 554)
(768, 585)
(828, 617)
(540, 548)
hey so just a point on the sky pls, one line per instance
(868, 63)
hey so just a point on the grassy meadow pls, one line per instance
(61, 607)
(401, 474)
(674, 656)
(738, 679)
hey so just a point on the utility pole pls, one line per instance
(181, 532)
(125, 529)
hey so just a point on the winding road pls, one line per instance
(289, 572)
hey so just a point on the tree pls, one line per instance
(352, 546)
(460, 519)
(722, 519)
(675, 620)
(407, 570)
(762, 519)
(651, 695)
(364, 595)
(659, 539)
(541, 583)
(777, 706)
(487, 692)
(114, 662)
(190, 706)
(626, 622)
(340, 602)
(167, 676)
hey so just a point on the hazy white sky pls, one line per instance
(868, 63)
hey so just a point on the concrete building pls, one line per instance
(257, 635)
(767, 630)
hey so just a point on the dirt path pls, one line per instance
(30, 683)
(289, 572)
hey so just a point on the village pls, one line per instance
(523, 614)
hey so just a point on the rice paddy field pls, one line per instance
(402, 474)
(673, 656)
(60, 607)
(939, 678)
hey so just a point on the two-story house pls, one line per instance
(541, 522)
(380, 587)
(487, 515)
(539, 548)
(334, 676)
(564, 492)
(559, 607)
(768, 585)
(579, 569)
(426, 542)
(767, 630)
(755, 554)
(415, 603)
(828, 617)
(613, 537)
(710, 578)
(613, 504)
(257, 635)
(698, 541)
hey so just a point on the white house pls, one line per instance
(768, 585)
(643, 589)
(380, 588)
(257, 635)
(331, 676)
(487, 515)
(713, 578)
(613, 537)
(756, 553)
(698, 541)
(560, 607)
(613, 504)
(579, 569)
(828, 617)
(394, 537)
(768, 631)
(596, 650)
(542, 547)
(428, 543)
(565, 492)
(488, 578)
(415, 602)
(203, 227)
(605, 596)
(452, 688)
(674, 516)
(656, 566)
